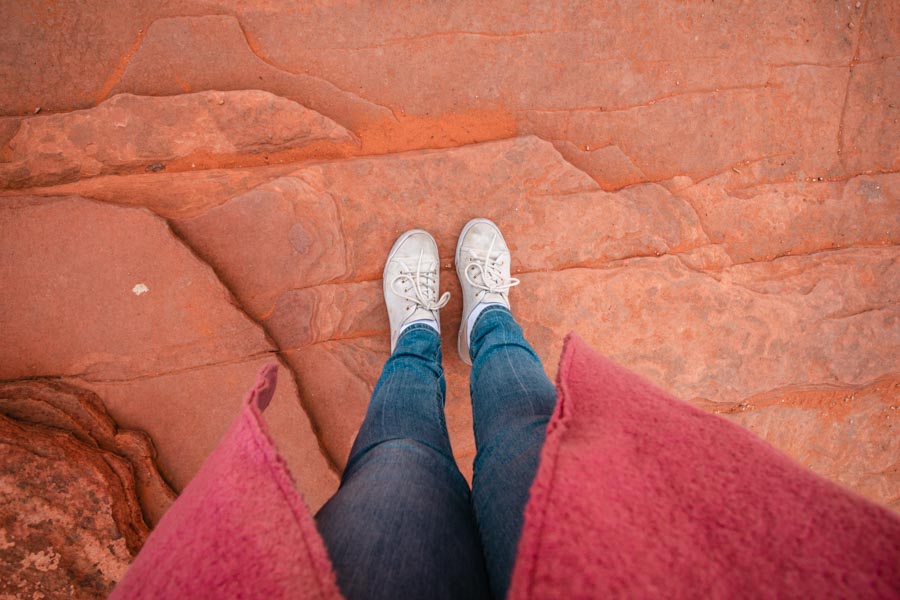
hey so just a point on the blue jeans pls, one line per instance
(403, 523)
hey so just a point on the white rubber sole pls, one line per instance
(462, 340)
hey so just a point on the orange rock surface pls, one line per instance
(130, 453)
(76, 492)
(707, 192)
(86, 143)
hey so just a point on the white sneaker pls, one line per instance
(482, 264)
(411, 283)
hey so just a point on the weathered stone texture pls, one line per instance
(108, 298)
(707, 192)
(129, 132)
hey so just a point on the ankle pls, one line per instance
(432, 323)
(477, 312)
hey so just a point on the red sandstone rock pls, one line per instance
(868, 135)
(315, 226)
(607, 164)
(126, 296)
(847, 434)
(751, 328)
(170, 195)
(222, 57)
(8, 128)
(468, 49)
(109, 298)
(82, 414)
(128, 132)
(50, 60)
(674, 88)
(187, 412)
(879, 35)
(679, 89)
(68, 525)
(760, 222)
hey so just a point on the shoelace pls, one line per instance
(489, 268)
(424, 286)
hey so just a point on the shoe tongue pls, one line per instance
(412, 262)
(420, 313)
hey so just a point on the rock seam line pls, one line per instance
(854, 60)
(232, 298)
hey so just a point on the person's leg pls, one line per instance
(512, 398)
(512, 401)
(401, 524)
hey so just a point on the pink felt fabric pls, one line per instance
(640, 495)
(637, 495)
(239, 529)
